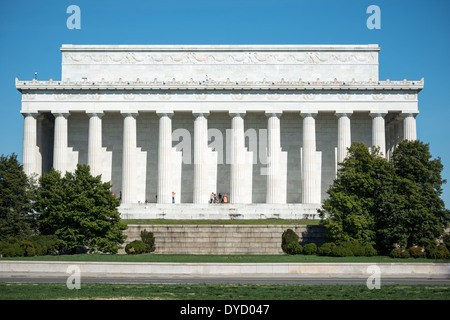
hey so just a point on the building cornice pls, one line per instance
(211, 85)
(217, 48)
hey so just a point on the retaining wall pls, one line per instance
(223, 239)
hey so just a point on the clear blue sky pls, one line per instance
(413, 39)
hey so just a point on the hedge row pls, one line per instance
(432, 251)
(291, 245)
(34, 246)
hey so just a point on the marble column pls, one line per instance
(309, 165)
(239, 185)
(379, 131)
(60, 142)
(164, 158)
(409, 126)
(201, 190)
(344, 135)
(95, 143)
(273, 188)
(29, 152)
(128, 157)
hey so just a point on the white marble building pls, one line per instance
(264, 124)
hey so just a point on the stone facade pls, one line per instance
(263, 124)
(223, 239)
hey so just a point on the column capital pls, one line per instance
(33, 114)
(405, 114)
(95, 114)
(305, 114)
(164, 113)
(64, 114)
(200, 113)
(240, 114)
(130, 113)
(340, 114)
(270, 113)
(375, 114)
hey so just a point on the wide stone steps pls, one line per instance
(223, 239)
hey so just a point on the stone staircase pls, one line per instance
(223, 239)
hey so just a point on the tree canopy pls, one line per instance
(387, 203)
(16, 199)
(80, 210)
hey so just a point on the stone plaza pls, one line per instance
(264, 125)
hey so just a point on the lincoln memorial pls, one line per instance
(264, 125)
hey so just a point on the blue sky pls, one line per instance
(412, 39)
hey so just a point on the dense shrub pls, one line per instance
(37, 245)
(135, 247)
(326, 248)
(287, 237)
(149, 240)
(429, 249)
(45, 244)
(341, 251)
(369, 251)
(28, 248)
(11, 249)
(310, 248)
(417, 252)
(399, 253)
(354, 248)
(440, 252)
(294, 248)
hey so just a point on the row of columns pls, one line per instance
(239, 154)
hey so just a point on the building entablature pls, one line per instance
(212, 85)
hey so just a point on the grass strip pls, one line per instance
(94, 291)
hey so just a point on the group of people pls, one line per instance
(214, 199)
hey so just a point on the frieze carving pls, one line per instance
(200, 96)
(29, 96)
(410, 97)
(309, 96)
(344, 96)
(60, 97)
(273, 97)
(238, 96)
(378, 96)
(218, 57)
(165, 96)
(128, 96)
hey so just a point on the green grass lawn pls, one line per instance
(59, 291)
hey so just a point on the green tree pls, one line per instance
(16, 200)
(416, 214)
(364, 180)
(80, 210)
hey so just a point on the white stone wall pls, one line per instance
(291, 62)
